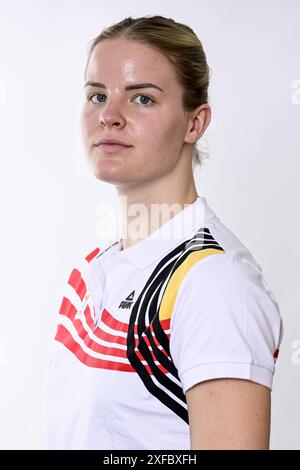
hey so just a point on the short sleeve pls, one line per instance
(225, 323)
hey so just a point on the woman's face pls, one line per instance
(150, 120)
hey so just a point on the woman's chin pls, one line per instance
(113, 175)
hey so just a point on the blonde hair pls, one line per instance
(180, 45)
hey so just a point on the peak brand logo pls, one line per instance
(128, 301)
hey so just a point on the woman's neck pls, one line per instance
(141, 219)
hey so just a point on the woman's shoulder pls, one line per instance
(86, 274)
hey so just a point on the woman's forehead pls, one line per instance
(129, 66)
(129, 55)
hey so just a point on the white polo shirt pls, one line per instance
(138, 327)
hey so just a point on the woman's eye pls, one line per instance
(100, 101)
(90, 98)
(147, 98)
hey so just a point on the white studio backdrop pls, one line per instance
(50, 199)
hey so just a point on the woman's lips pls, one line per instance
(111, 148)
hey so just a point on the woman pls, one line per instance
(167, 337)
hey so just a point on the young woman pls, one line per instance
(167, 337)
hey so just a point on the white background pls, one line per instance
(49, 198)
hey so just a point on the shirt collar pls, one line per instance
(175, 231)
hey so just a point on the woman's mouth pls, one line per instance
(112, 148)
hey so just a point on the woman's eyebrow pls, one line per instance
(134, 86)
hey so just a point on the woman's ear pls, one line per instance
(198, 122)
